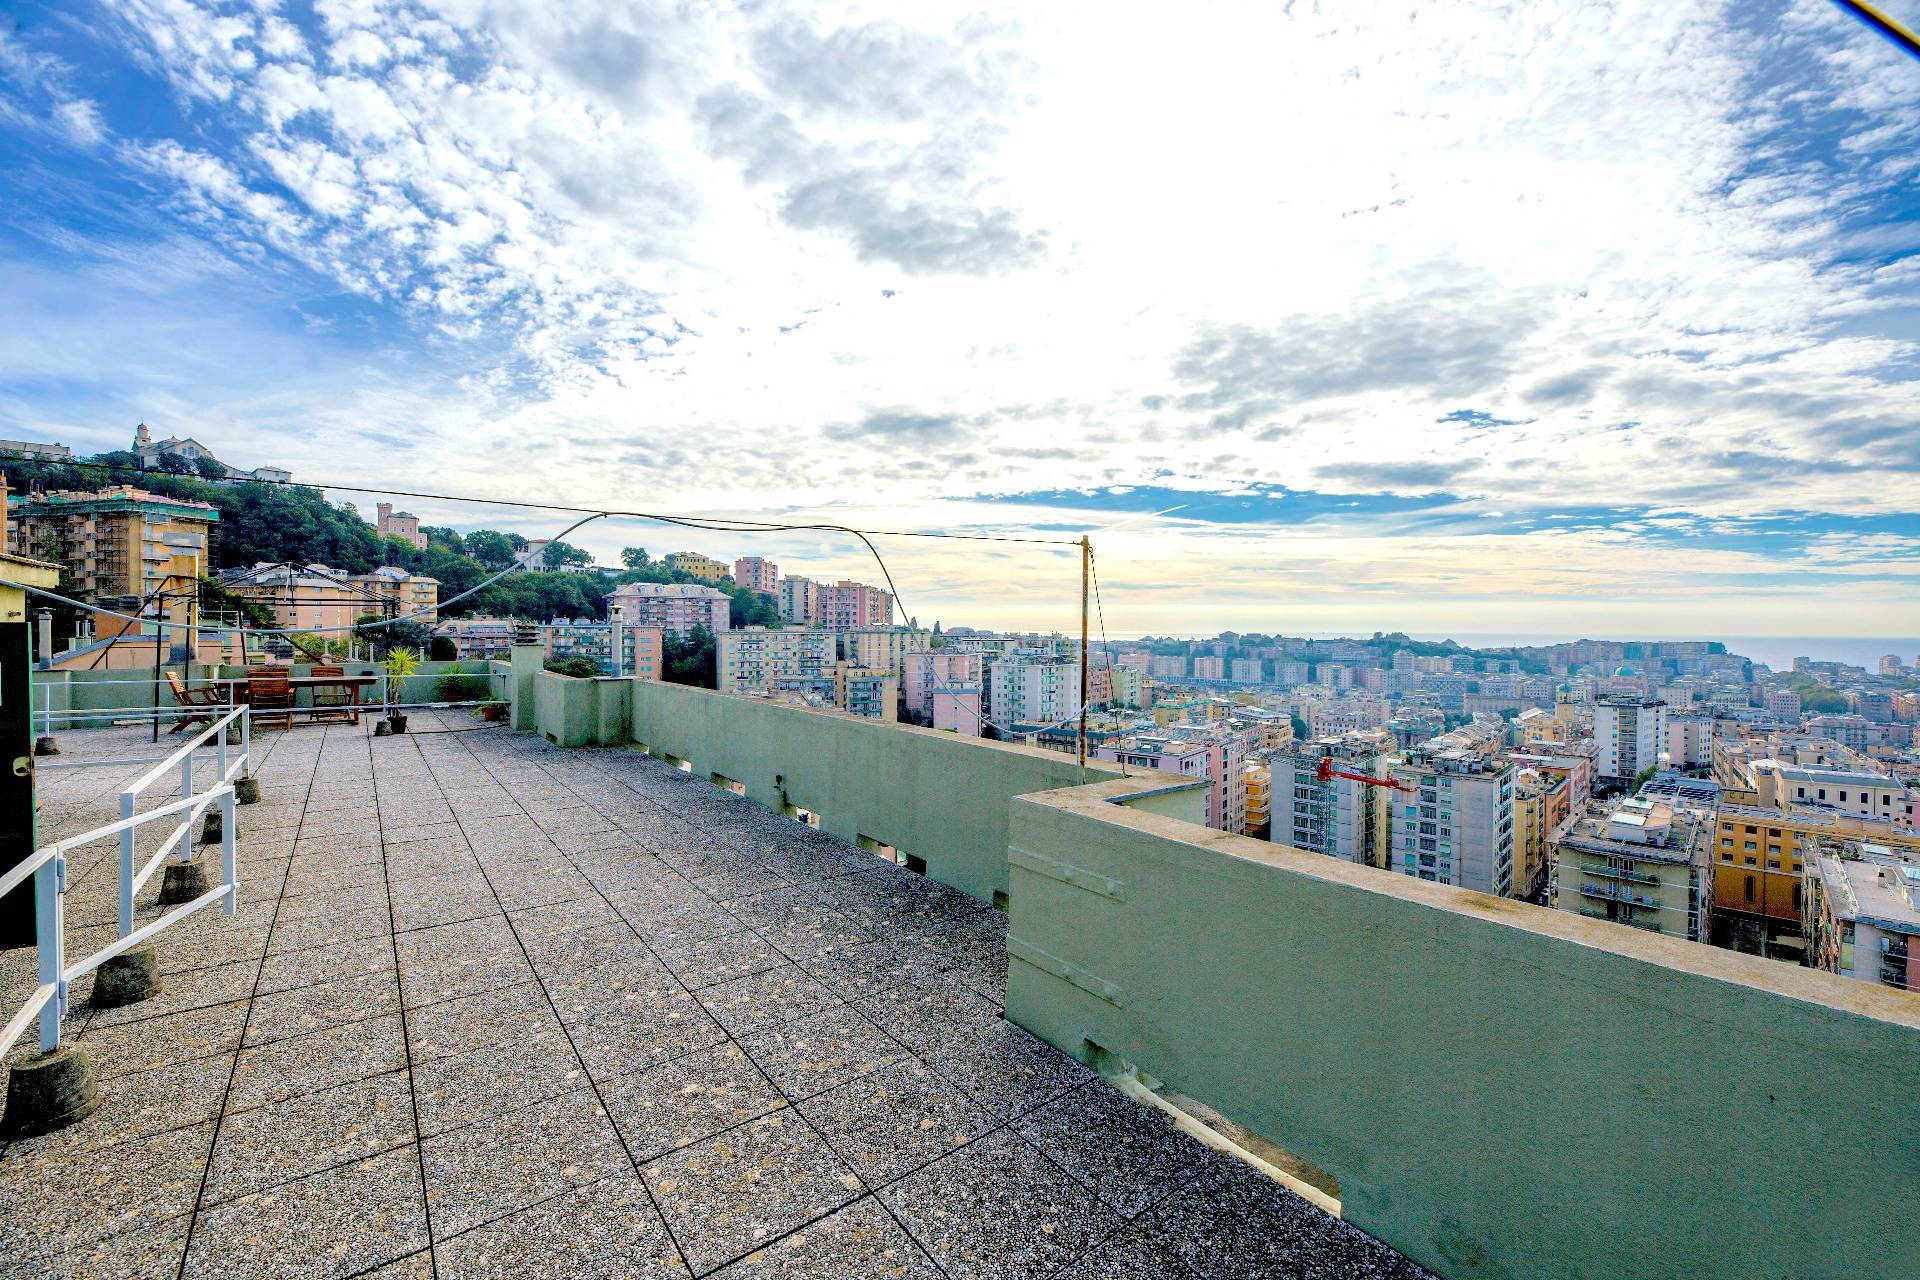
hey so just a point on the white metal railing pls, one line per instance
(48, 867)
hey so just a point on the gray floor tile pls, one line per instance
(893, 1121)
(1125, 1153)
(812, 1054)
(309, 1132)
(683, 1101)
(318, 1060)
(489, 1169)
(855, 1243)
(333, 1224)
(606, 1231)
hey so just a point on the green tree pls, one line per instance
(176, 464)
(559, 555)
(635, 557)
(490, 547)
(209, 469)
(1299, 729)
(689, 659)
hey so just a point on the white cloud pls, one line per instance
(739, 251)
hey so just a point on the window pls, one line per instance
(1749, 889)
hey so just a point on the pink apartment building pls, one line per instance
(674, 607)
(756, 574)
(956, 709)
(1219, 759)
(926, 673)
(848, 606)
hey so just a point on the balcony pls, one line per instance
(572, 943)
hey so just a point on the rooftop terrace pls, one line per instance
(493, 1007)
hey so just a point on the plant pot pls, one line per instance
(398, 721)
(493, 713)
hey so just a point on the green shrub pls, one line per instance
(582, 668)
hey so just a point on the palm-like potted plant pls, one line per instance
(400, 663)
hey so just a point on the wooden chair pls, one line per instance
(206, 703)
(336, 702)
(270, 696)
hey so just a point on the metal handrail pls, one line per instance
(49, 1002)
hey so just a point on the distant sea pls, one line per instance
(1777, 652)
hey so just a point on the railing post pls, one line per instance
(51, 926)
(221, 750)
(126, 866)
(229, 854)
(185, 852)
(246, 738)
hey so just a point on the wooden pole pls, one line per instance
(1086, 572)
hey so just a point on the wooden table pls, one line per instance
(236, 690)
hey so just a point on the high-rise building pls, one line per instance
(120, 541)
(756, 660)
(1540, 805)
(1637, 862)
(695, 565)
(1033, 687)
(865, 692)
(958, 709)
(1454, 823)
(410, 594)
(403, 525)
(1784, 703)
(1209, 669)
(1629, 735)
(849, 606)
(1248, 670)
(1340, 817)
(800, 602)
(674, 607)
(640, 647)
(756, 574)
(1167, 667)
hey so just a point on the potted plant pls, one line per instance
(400, 663)
(491, 711)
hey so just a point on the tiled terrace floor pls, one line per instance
(492, 1008)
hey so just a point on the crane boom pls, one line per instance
(1325, 772)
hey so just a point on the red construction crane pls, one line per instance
(1325, 772)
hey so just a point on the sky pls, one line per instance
(1564, 318)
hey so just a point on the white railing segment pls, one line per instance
(48, 867)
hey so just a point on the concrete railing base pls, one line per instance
(183, 882)
(49, 1092)
(46, 745)
(246, 790)
(128, 978)
(210, 827)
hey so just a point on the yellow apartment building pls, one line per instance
(704, 568)
(121, 541)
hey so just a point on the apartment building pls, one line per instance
(756, 660)
(757, 574)
(1637, 862)
(925, 672)
(1257, 782)
(1540, 805)
(1209, 669)
(674, 607)
(695, 565)
(1784, 703)
(851, 606)
(862, 691)
(1033, 687)
(408, 594)
(1689, 739)
(1848, 790)
(640, 656)
(880, 648)
(1193, 752)
(799, 602)
(120, 541)
(1629, 735)
(479, 637)
(403, 525)
(1249, 670)
(1761, 857)
(958, 709)
(1167, 667)
(1453, 823)
(1863, 914)
(1340, 817)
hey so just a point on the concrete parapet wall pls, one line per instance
(1501, 1090)
(931, 795)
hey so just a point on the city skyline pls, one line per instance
(1467, 310)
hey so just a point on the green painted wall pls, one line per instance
(933, 795)
(116, 692)
(1501, 1090)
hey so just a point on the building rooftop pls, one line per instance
(492, 1007)
(1878, 887)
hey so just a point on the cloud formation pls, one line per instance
(1539, 260)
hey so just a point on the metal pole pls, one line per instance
(229, 860)
(48, 919)
(1086, 570)
(126, 866)
(186, 793)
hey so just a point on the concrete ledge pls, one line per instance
(1502, 1090)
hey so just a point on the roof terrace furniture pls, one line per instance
(336, 702)
(271, 695)
(206, 702)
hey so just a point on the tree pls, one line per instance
(210, 469)
(490, 547)
(559, 555)
(442, 649)
(1299, 729)
(176, 464)
(689, 659)
(635, 557)
(579, 668)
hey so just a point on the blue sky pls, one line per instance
(1445, 318)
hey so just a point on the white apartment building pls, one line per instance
(756, 660)
(1454, 823)
(799, 601)
(1034, 687)
(1340, 817)
(1629, 734)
